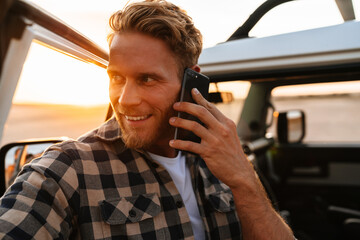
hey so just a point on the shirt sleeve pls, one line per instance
(41, 203)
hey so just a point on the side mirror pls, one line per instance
(290, 126)
(14, 156)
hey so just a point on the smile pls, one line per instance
(138, 118)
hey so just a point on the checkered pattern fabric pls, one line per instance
(96, 188)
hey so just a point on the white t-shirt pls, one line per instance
(180, 174)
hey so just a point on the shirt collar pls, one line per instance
(109, 131)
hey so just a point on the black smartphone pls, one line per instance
(191, 79)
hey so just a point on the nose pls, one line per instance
(130, 94)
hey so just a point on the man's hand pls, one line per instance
(221, 149)
(220, 146)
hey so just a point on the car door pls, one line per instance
(318, 180)
(53, 83)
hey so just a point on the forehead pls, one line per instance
(134, 51)
(138, 44)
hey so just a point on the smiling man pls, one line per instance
(126, 180)
(144, 84)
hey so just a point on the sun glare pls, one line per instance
(50, 77)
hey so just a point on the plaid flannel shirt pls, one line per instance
(96, 188)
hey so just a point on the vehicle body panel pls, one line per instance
(326, 46)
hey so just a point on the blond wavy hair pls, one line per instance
(162, 20)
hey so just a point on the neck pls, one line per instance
(163, 150)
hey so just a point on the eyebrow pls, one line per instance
(112, 72)
(150, 74)
(139, 75)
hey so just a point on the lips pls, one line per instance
(136, 118)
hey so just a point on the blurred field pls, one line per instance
(329, 118)
(42, 121)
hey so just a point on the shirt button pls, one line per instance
(179, 204)
(132, 213)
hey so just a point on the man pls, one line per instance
(126, 179)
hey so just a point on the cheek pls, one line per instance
(167, 95)
(175, 90)
(114, 94)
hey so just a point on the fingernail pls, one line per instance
(196, 91)
(171, 142)
(176, 104)
(172, 120)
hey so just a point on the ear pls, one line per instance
(196, 68)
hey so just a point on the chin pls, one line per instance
(159, 132)
(136, 142)
(137, 139)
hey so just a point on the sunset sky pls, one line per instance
(216, 19)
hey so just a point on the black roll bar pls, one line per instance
(243, 30)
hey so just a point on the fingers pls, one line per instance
(207, 112)
(198, 111)
(199, 99)
(186, 146)
(189, 125)
(204, 110)
(217, 126)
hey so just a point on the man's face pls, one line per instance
(144, 84)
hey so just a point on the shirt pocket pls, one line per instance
(222, 201)
(130, 209)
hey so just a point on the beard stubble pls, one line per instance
(162, 131)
